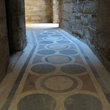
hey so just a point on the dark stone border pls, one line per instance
(17, 82)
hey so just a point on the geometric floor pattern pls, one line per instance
(56, 76)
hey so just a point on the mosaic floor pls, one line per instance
(56, 75)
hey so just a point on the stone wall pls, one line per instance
(55, 11)
(4, 53)
(89, 20)
(16, 24)
(103, 28)
(39, 11)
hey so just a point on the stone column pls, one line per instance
(55, 11)
(4, 53)
(16, 24)
(103, 34)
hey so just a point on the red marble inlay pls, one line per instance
(87, 83)
(30, 83)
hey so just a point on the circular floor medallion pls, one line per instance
(73, 69)
(46, 42)
(56, 35)
(58, 59)
(68, 52)
(82, 102)
(47, 33)
(59, 83)
(37, 102)
(43, 68)
(57, 46)
(52, 38)
(46, 52)
(64, 42)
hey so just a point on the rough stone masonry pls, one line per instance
(89, 20)
(39, 11)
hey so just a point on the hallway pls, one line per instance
(56, 71)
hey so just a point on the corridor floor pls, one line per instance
(55, 72)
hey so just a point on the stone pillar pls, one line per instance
(55, 11)
(16, 24)
(60, 12)
(103, 34)
(4, 53)
(66, 14)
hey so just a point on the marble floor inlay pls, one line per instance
(58, 59)
(46, 52)
(57, 46)
(55, 72)
(59, 83)
(82, 102)
(68, 52)
(37, 102)
(43, 68)
(73, 69)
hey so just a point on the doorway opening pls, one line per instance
(42, 13)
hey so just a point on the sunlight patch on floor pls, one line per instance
(42, 25)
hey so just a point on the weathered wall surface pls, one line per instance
(39, 11)
(4, 53)
(16, 24)
(103, 28)
(88, 20)
(55, 11)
